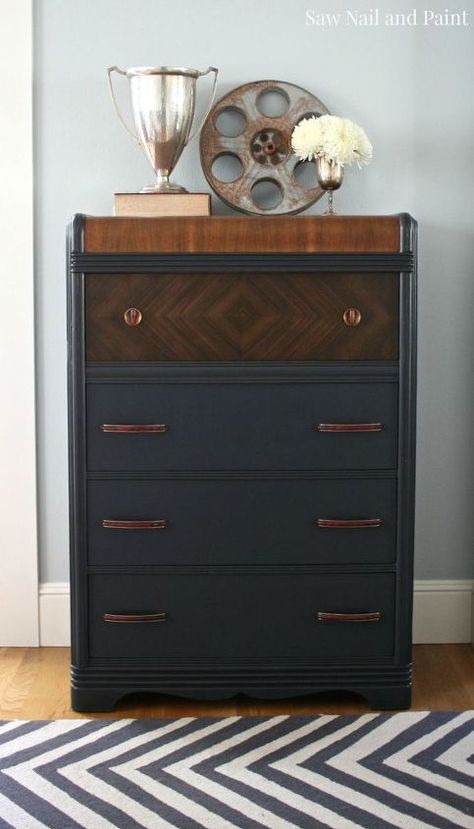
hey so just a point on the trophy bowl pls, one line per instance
(163, 102)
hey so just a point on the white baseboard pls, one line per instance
(442, 612)
(54, 614)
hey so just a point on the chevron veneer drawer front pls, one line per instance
(282, 316)
(209, 425)
(242, 426)
(260, 615)
(201, 522)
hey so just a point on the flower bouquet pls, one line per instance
(333, 143)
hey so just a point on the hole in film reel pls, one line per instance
(305, 174)
(267, 193)
(273, 103)
(230, 122)
(227, 167)
(308, 115)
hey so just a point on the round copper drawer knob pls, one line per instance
(352, 316)
(133, 316)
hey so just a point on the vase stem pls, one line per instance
(330, 208)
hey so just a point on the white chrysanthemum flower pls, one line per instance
(306, 138)
(334, 138)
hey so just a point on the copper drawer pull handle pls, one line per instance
(111, 524)
(133, 316)
(133, 428)
(348, 523)
(349, 427)
(352, 317)
(372, 616)
(127, 618)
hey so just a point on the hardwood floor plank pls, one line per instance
(444, 677)
(50, 694)
(16, 677)
(34, 684)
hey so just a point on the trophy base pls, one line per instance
(164, 187)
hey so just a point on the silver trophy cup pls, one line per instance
(163, 101)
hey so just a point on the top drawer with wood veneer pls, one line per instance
(242, 316)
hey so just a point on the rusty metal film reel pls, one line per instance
(261, 149)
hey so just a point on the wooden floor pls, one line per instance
(34, 684)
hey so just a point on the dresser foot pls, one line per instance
(388, 698)
(83, 699)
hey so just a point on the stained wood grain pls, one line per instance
(229, 234)
(275, 316)
(34, 684)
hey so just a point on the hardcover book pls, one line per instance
(162, 204)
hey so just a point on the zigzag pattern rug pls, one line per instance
(412, 770)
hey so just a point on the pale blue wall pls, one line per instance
(412, 91)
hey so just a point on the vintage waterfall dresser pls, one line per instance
(242, 445)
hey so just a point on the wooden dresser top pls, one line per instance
(229, 234)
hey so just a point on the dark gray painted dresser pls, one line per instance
(242, 425)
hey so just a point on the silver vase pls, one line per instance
(163, 102)
(330, 175)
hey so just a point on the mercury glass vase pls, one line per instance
(330, 175)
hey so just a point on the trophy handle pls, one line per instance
(114, 101)
(211, 101)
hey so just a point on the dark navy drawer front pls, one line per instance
(241, 615)
(238, 521)
(242, 426)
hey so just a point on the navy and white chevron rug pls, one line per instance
(412, 770)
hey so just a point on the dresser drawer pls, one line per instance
(240, 316)
(242, 426)
(247, 522)
(241, 615)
